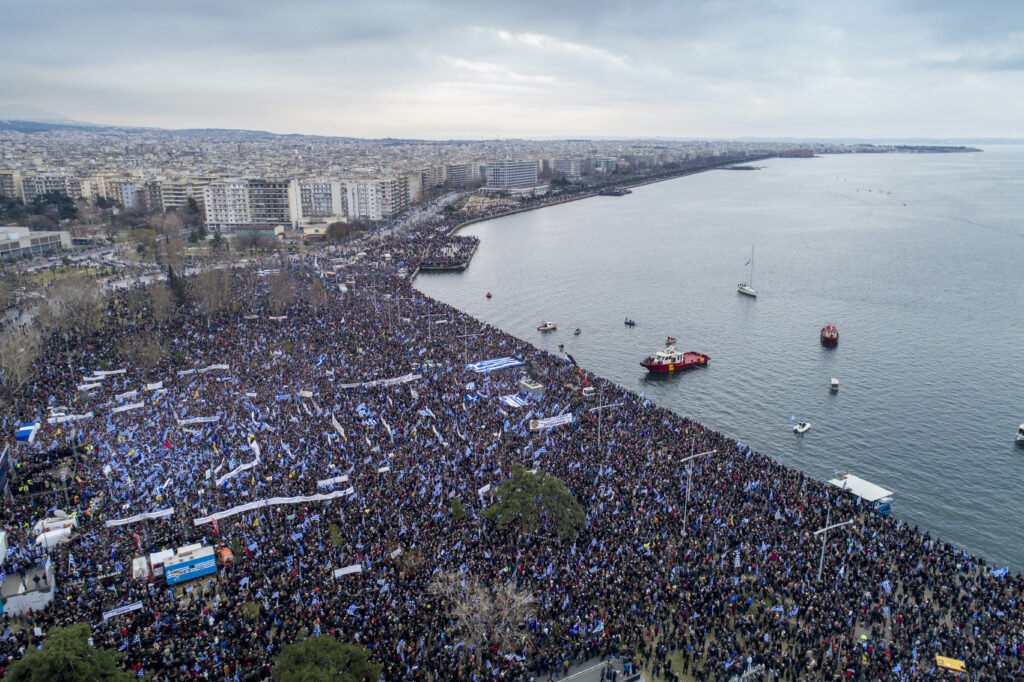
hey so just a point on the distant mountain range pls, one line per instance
(30, 119)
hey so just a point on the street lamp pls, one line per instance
(823, 532)
(600, 411)
(689, 475)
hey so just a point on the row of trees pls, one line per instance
(68, 653)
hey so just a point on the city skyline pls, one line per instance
(458, 70)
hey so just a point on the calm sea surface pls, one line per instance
(917, 259)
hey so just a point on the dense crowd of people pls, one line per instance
(248, 405)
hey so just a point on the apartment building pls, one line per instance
(506, 174)
(570, 169)
(226, 204)
(317, 198)
(10, 184)
(37, 184)
(269, 202)
(377, 198)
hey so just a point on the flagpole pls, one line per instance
(823, 532)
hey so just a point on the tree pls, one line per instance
(497, 616)
(74, 303)
(212, 292)
(67, 655)
(324, 658)
(144, 351)
(20, 347)
(282, 292)
(529, 501)
(162, 303)
(317, 296)
(177, 286)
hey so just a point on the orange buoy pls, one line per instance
(488, 294)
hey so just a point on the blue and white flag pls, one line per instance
(1000, 572)
(27, 432)
(488, 366)
(887, 586)
(515, 400)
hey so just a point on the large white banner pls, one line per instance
(210, 368)
(270, 502)
(331, 481)
(198, 420)
(112, 523)
(354, 568)
(68, 418)
(121, 610)
(126, 408)
(404, 379)
(538, 424)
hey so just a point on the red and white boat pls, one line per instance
(669, 340)
(829, 335)
(671, 360)
(547, 326)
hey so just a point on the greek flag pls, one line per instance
(1000, 572)
(515, 400)
(897, 669)
(887, 586)
(488, 366)
(27, 432)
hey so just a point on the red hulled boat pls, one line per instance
(829, 335)
(671, 360)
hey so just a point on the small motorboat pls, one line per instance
(630, 323)
(547, 326)
(802, 427)
(561, 346)
(833, 385)
(488, 294)
(1020, 435)
(669, 340)
(577, 332)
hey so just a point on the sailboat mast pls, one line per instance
(751, 266)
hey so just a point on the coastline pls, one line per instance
(823, 480)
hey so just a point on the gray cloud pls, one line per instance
(531, 68)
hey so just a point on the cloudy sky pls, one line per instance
(526, 68)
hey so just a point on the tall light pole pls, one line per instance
(600, 411)
(823, 532)
(689, 476)
(465, 343)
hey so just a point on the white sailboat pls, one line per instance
(747, 288)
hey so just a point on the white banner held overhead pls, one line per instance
(354, 568)
(68, 418)
(538, 424)
(210, 368)
(127, 394)
(331, 481)
(155, 386)
(109, 372)
(121, 610)
(113, 523)
(198, 420)
(126, 408)
(270, 502)
(483, 490)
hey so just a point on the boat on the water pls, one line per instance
(671, 360)
(630, 323)
(547, 326)
(747, 288)
(669, 340)
(829, 335)
(802, 427)
(833, 385)
(577, 332)
(1020, 435)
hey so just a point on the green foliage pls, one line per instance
(177, 286)
(457, 509)
(103, 202)
(179, 357)
(528, 501)
(67, 655)
(250, 610)
(335, 536)
(325, 658)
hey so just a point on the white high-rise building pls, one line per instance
(313, 198)
(377, 198)
(227, 204)
(507, 174)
